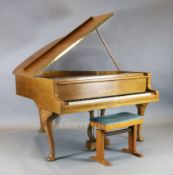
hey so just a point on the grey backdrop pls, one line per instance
(140, 35)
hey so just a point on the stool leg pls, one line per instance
(100, 149)
(132, 142)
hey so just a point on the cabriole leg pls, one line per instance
(41, 130)
(91, 142)
(47, 118)
(141, 111)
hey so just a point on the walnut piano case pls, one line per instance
(63, 92)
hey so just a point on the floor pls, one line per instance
(22, 152)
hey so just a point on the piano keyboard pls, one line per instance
(106, 99)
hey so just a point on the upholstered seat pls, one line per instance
(116, 118)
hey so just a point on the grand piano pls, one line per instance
(58, 92)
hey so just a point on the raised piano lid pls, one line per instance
(44, 57)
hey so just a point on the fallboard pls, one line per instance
(94, 88)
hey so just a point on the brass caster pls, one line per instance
(50, 158)
(140, 139)
(41, 130)
(91, 145)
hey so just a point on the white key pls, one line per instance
(106, 99)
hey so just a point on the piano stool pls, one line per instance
(115, 124)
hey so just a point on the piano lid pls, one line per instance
(55, 50)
